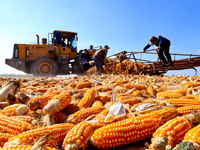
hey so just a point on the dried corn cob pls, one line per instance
(14, 110)
(187, 109)
(136, 86)
(40, 101)
(123, 96)
(99, 120)
(105, 88)
(193, 134)
(182, 91)
(78, 136)
(165, 114)
(13, 126)
(57, 103)
(56, 134)
(23, 118)
(131, 130)
(83, 114)
(130, 101)
(164, 95)
(191, 96)
(182, 102)
(4, 138)
(151, 90)
(18, 147)
(84, 85)
(173, 131)
(137, 93)
(190, 84)
(97, 104)
(88, 98)
(105, 98)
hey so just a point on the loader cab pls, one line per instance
(65, 39)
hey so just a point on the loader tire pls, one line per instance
(44, 67)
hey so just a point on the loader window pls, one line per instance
(57, 38)
(73, 41)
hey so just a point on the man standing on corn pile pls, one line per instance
(163, 46)
(99, 58)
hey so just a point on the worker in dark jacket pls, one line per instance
(85, 58)
(163, 46)
(99, 58)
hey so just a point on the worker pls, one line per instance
(99, 58)
(163, 46)
(85, 58)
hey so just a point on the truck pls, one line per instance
(56, 56)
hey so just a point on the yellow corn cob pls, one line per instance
(15, 109)
(130, 101)
(23, 118)
(182, 102)
(123, 96)
(104, 88)
(190, 84)
(165, 114)
(187, 109)
(164, 95)
(191, 96)
(105, 98)
(137, 93)
(57, 103)
(124, 132)
(131, 130)
(97, 104)
(56, 134)
(84, 85)
(18, 147)
(13, 126)
(88, 98)
(84, 113)
(40, 101)
(182, 91)
(193, 134)
(78, 136)
(99, 120)
(136, 86)
(4, 138)
(151, 90)
(173, 131)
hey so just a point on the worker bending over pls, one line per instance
(163, 46)
(99, 58)
(85, 58)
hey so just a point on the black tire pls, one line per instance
(44, 67)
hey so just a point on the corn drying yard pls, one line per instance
(118, 110)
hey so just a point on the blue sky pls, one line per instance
(121, 24)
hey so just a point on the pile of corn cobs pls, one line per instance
(105, 112)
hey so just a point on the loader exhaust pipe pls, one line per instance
(38, 41)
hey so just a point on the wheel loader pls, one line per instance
(56, 56)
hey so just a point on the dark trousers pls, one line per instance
(98, 63)
(164, 49)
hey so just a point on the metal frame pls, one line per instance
(190, 62)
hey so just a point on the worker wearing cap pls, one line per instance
(163, 46)
(99, 58)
